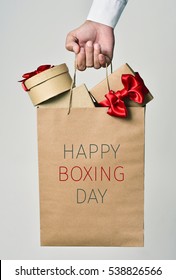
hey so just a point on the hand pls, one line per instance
(93, 43)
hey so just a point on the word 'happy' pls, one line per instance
(90, 151)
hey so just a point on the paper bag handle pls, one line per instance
(73, 84)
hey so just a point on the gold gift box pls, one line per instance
(48, 84)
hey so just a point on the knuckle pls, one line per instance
(67, 46)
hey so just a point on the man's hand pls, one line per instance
(93, 43)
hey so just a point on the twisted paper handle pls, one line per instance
(73, 84)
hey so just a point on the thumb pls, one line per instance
(104, 60)
(72, 43)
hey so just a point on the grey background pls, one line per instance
(33, 33)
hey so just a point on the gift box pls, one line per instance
(47, 82)
(49, 86)
(80, 99)
(115, 82)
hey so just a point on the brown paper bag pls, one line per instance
(91, 169)
(91, 173)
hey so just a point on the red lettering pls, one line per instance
(108, 176)
(87, 173)
(76, 173)
(61, 173)
(75, 170)
(122, 174)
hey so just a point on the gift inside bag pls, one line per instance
(91, 169)
(47, 82)
(81, 98)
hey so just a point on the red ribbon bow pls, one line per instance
(33, 73)
(134, 89)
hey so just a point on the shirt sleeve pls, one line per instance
(106, 12)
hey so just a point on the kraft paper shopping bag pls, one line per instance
(91, 170)
(91, 164)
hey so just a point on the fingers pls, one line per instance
(97, 51)
(89, 48)
(72, 44)
(90, 56)
(104, 60)
(85, 58)
(81, 60)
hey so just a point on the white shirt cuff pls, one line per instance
(106, 12)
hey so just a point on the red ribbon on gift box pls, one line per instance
(134, 89)
(40, 69)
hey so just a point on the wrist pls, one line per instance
(99, 25)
